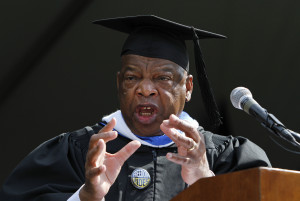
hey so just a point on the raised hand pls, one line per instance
(191, 149)
(102, 168)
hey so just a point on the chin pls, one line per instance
(147, 130)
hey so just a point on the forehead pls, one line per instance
(136, 62)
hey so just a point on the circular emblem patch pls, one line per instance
(140, 178)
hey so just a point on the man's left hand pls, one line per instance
(191, 149)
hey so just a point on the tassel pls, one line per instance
(206, 91)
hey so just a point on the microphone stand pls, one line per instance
(295, 135)
(277, 128)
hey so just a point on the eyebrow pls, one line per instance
(167, 69)
(163, 68)
(170, 69)
(130, 68)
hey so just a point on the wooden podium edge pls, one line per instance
(279, 184)
(254, 184)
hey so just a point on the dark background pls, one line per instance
(58, 70)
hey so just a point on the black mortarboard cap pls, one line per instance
(155, 37)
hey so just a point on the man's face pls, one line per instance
(150, 90)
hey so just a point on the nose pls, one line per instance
(146, 88)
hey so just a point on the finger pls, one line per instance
(106, 136)
(95, 156)
(109, 126)
(127, 151)
(94, 172)
(106, 133)
(182, 151)
(181, 160)
(186, 127)
(179, 139)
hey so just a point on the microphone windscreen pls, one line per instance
(237, 95)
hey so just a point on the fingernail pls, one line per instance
(174, 117)
(113, 119)
(169, 155)
(166, 122)
(137, 143)
(173, 131)
(100, 141)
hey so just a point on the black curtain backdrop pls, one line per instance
(58, 70)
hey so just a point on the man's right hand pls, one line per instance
(102, 168)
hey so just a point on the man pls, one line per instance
(150, 149)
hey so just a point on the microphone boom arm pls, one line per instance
(277, 128)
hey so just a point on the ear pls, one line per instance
(189, 88)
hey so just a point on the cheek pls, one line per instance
(180, 98)
(180, 95)
(174, 99)
(126, 97)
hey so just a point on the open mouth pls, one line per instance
(146, 113)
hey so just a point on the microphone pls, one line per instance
(241, 98)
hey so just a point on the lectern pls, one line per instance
(257, 184)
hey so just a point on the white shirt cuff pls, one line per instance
(75, 196)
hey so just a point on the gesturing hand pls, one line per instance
(102, 168)
(191, 149)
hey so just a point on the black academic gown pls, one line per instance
(55, 169)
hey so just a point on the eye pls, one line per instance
(164, 78)
(130, 77)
